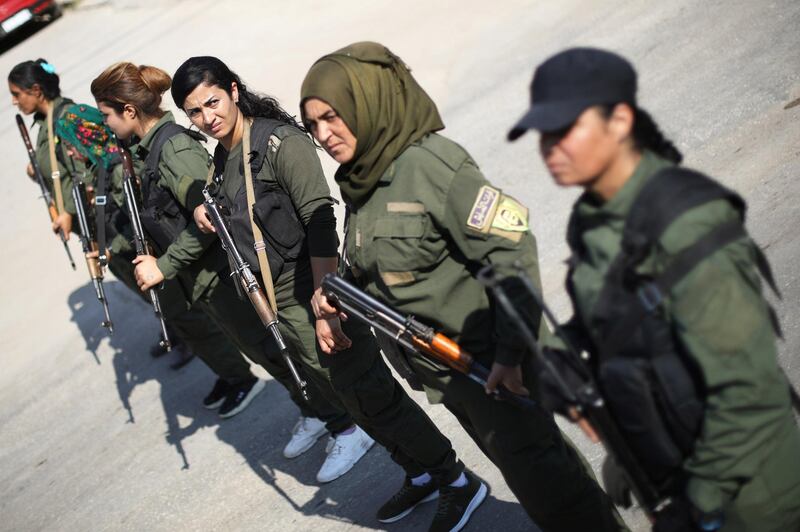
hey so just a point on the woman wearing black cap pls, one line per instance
(422, 221)
(661, 250)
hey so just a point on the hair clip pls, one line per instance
(47, 67)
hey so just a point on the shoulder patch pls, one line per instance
(511, 215)
(484, 208)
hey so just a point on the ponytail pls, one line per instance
(647, 135)
(124, 84)
(41, 73)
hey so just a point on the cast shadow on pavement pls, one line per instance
(260, 432)
(135, 332)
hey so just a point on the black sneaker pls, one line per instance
(217, 395)
(457, 504)
(239, 397)
(405, 500)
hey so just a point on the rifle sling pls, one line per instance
(54, 172)
(261, 252)
(100, 208)
(684, 263)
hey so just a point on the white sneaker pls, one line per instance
(305, 434)
(343, 452)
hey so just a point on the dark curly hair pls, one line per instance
(211, 70)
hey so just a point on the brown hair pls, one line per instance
(127, 84)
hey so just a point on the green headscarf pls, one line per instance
(82, 126)
(373, 91)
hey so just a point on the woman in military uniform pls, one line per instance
(743, 470)
(293, 206)
(422, 220)
(88, 139)
(34, 87)
(129, 98)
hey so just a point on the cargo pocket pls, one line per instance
(398, 247)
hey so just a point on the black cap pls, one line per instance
(571, 81)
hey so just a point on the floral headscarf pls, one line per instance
(82, 126)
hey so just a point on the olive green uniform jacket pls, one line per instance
(43, 157)
(431, 221)
(418, 241)
(747, 457)
(194, 258)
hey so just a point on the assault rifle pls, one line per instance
(139, 238)
(247, 284)
(585, 403)
(89, 244)
(412, 334)
(48, 199)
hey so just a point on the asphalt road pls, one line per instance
(96, 435)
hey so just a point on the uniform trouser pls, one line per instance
(239, 321)
(545, 472)
(198, 332)
(359, 379)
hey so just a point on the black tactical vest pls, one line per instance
(274, 212)
(653, 388)
(162, 215)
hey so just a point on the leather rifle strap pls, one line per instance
(260, 245)
(54, 171)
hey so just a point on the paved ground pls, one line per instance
(95, 435)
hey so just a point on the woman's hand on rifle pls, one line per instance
(323, 310)
(147, 273)
(330, 336)
(63, 223)
(202, 220)
(509, 376)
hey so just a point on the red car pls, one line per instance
(16, 13)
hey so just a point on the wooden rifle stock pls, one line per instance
(259, 301)
(446, 351)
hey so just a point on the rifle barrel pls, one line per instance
(248, 282)
(139, 237)
(413, 335)
(592, 413)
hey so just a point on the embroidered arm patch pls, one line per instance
(511, 215)
(483, 209)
